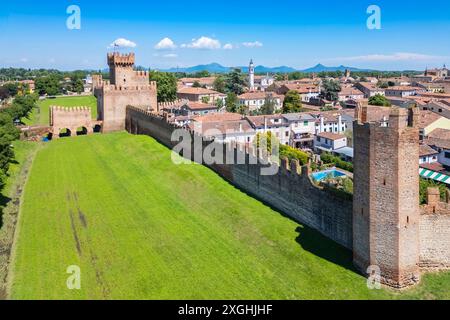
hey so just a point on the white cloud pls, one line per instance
(255, 44)
(24, 60)
(228, 46)
(166, 44)
(398, 56)
(122, 43)
(203, 43)
(170, 55)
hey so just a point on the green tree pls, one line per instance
(205, 100)
(330, 90)
(269, 105)
(231, 102)
(77, 85)
(202, 74)
(219, 103)
(50, 85)
(12, 88)
(292, 102)
(235, 82)
(379, 100)
(167, 85)
(220, 84)
(196, 84)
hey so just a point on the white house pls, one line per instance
(276, 124)
(255, 100)
(327, 141)
(427, 155)
(401, 91)
(302, 130)
(333, 123)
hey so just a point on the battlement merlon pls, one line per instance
(121, 60)
(397, 118)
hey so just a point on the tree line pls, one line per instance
(20, 108)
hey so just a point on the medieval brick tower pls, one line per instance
(386, 210)
(125, 87)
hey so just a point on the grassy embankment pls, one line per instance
(140, 227)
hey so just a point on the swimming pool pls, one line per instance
(332, 173)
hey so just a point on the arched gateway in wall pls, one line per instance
(70, 120)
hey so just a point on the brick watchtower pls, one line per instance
(125, 87)
(121, 68)
(386, 210)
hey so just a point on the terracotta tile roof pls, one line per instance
(350, 91)
(440, 134)
(435, 95)
(437, 167)
(427, 117)
(254, 95)
(198, 91)
(227, 127)
(216, 117)
(205, 80)
(403, 88)
(331, 136)
(259, 121)
(370, 86)
(200, 106)
(302, 88)
(426, 150)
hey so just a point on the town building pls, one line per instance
(328, 142)
(264, 82)
(427, 155)
(276, 124)
(370, 89)
(253, 101)
(350, 93)
(439, 140)
(200, 95)
(401, 91)
(205, 82)
(306, 91)
(302, 130)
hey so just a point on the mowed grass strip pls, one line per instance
(140, 227)
(40, 115)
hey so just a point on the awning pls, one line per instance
(428, 174)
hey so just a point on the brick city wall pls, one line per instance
(435, 232)
(290, 190)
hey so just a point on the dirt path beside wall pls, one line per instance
(10, 218)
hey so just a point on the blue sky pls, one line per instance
(414, 34)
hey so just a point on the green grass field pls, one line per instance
(140, 227)
(40, 115)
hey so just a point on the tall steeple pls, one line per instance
(251, 76)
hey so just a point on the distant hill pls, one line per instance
(217, 68)
(212, 67)
(322, 68)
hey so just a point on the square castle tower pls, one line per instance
(386, 211)
(125, 87)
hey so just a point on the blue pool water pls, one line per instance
(319, 176)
